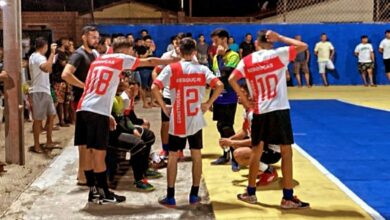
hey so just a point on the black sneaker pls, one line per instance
(93, 195)
(221, 160)
(110, 197)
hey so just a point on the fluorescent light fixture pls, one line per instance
(3, 3)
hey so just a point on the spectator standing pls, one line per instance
(232, 45)
(60, 86)
(324, 50)
(42, 102)
(366, 58)
(202, 49)
(247, 47)
(75, 73)
(384, 48)
(171, 46)
(301, 63)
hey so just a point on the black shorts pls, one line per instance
(273, 127)
(387, 65)
(164, 117)
(270, 157)
(179, 143)
(225, 113)
(133, 118)
(92, 130)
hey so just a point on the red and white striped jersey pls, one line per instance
(265, 73)
(187, 86)
(102, 82)
(169, 55)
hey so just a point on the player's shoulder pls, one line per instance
(169, 54)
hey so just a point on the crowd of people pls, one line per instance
(97, 85)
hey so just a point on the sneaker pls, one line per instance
(245, 197)
(168, 202)
(93, 195)
(267, 178)
(110, 197)
(163, 154)
(235, 166)
(221, 161)
(152, 174)
(144, 185)
(194, 200)
(295, 203)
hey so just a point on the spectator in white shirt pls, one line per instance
(365, 53)
(42, 102)
(384, 48)
(324, 50)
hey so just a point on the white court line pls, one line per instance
(360, 105)
(372, 212)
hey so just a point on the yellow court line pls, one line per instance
(327, 200)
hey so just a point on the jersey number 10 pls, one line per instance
(267, 86)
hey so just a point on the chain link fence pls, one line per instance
(330, 11)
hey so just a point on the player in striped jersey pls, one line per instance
(187, 85)
(265, 73)
(94, 120)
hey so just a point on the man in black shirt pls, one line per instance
(75, 73)
(247, 47)
(59, 85)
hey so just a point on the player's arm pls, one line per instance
(307, 56)
(316, 50)
(153, 61)
(332, 51)
(300, 46)
(3, 75)
(69, 77)
(158, 84)
(372, 54)
(47, 66)
(236, 87)
(218, 88)
(157, 95)
(381, 46)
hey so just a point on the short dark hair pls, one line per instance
(187, 46)
(59, 41)
(219, 32)
(323, 34)
(141, 50)
(262, 36)
(40, 42)
(364, 37)
(387, 31)
(247, 34)
(121, 43)
(129, 34)
(189, 34)
(147, 37)
(144, 30)
(87, 29)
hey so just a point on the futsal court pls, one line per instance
(340, 159)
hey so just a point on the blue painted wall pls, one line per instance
(343, 36)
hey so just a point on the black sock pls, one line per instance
(90, 176)
(171, 192)
(194, 190)
(232, 152)
(102, 181)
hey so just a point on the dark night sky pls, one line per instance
(200, 7)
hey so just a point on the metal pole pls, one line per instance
(182, 5)
(190, 11)
(284, 10)
(92, 11)
(14, 131)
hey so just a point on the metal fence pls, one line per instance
(329, 11)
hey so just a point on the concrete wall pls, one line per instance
(128, 10)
